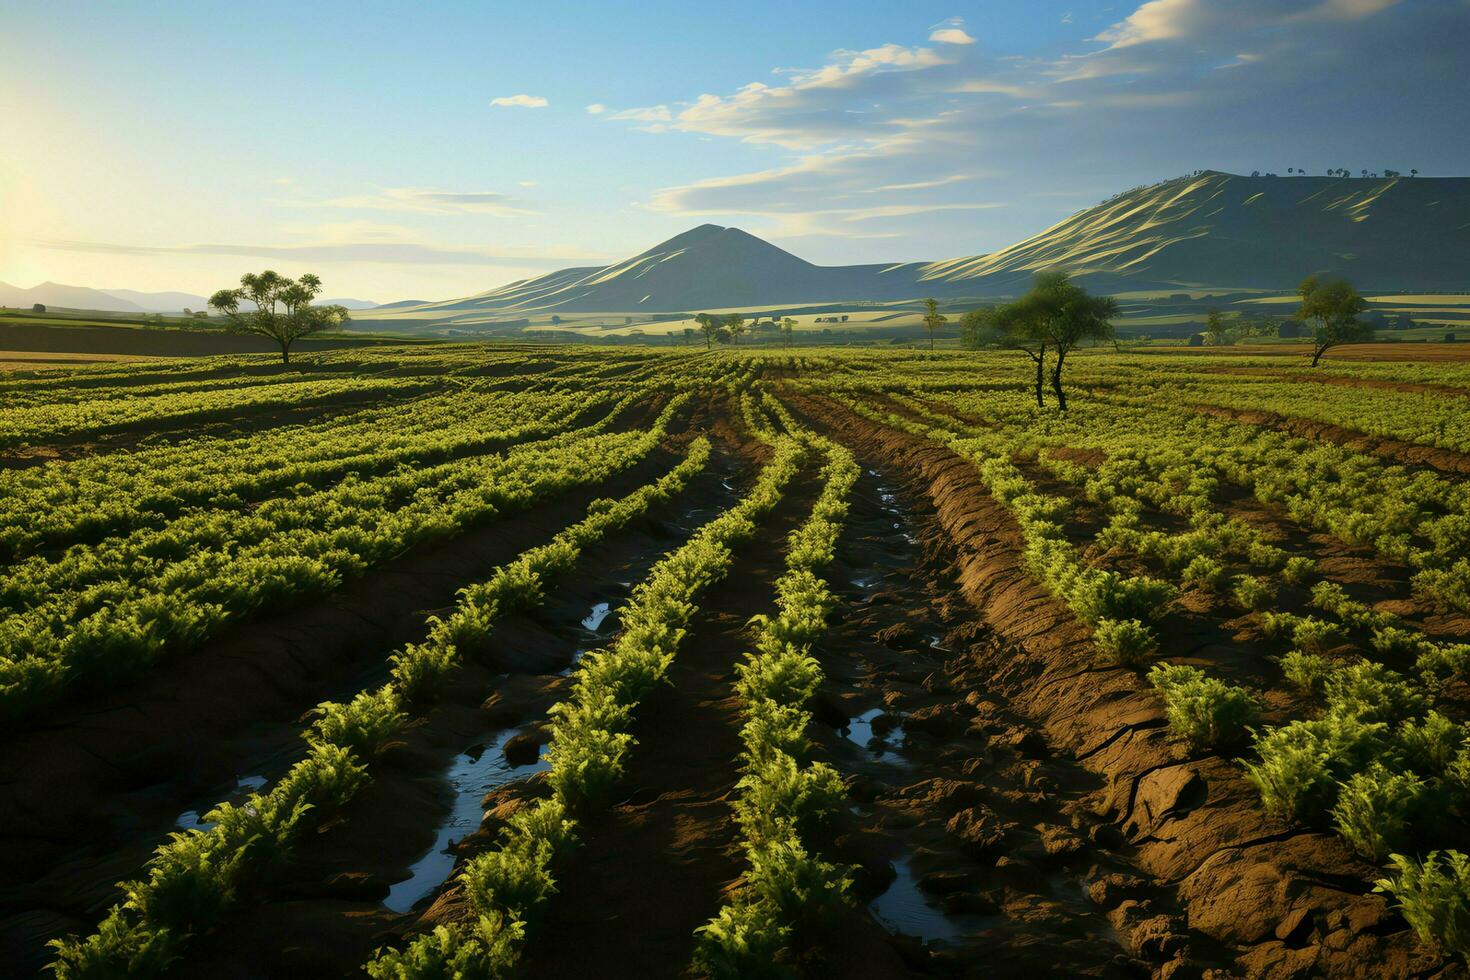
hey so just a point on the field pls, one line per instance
(564, 661)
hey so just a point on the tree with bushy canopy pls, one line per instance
(283, 310)
(1331, 308)
(1058, 314)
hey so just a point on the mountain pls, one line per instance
(68, 297)
(1218, 229)
(167, 302)
(351, 304)
(705, 268)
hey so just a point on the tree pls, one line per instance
(689, 333)
(933, 319)
(979, 329)
(722, 334)
(1331, 308)
(735, 323)
(707, 326)
(38, 307)
(1216, 332)
(1059, 314)
(788, 329)
(283, 310)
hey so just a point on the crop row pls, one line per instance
(110, 611)
(198, 875)
(506, 886)
(1377, 760)
(92, 497)
(781, 802)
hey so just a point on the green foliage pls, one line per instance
(741, 943)
(1434, 897)
(1124, 642)
(1373, 809)
(1301, 763)
(1203, 710)
(1316, 635)
(1297, 570)
(1204, 572)
(363, 725)
(486, 950)
(1253, 592)
(1372, 692)
(1307, 672)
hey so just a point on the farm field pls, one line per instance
(558, 661)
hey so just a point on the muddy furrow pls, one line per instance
(1261, 905)
(657, 864)
(362, 883)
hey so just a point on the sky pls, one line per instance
(435, 150)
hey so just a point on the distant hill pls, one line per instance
(68, 297)
(1207, 230)
(705, 268)
(61, 296)
(1217, 229)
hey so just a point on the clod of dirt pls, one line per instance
(523, 749)
(1112, 889)
(900, 637)
(940, 720)
(979, 829)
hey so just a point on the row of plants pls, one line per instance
(506, 886)
(197, 876)
(783, 798)
(113, 610)
(84, 500)
(1377, 761)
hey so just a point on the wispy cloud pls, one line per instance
(425, 200)
(596, 109)
(522, 101)
(347, 242)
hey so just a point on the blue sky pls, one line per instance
(439, 149)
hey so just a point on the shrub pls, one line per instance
(1372, 692)
(1434, 898)
(741, 942)
(1203, 710)
(1253, 592)
(1301, 763)
(1316, 635)
(1108, 595)
(1440, 662)
(1279, 625)
(1204, 572)
(1297, 570)
(1373, 808)
(1430, 746)
(1307, 672)
(453, 952)
(362, 725)
(1393, 642)
(1124, 642)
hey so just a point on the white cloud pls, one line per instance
(951, 35)
(426, 200)
(523, 101)
(596, 109)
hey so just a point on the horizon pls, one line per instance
(922, 134)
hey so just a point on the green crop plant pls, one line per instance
(1433, 897)
(1124, 642)
(1373, 810)
(1253, 593)
(1203, 710)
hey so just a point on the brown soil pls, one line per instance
(1282, 902)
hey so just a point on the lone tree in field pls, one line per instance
(38, 307)
(735, 323)
(1056, 313)
(933, 319)
(1331, 309)
(788, 329)
(1216, 332)
(283, 310)
(708, 326)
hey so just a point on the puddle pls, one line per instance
(904, 909)
(244, 786)
(471, 776)
(859, 731)
(593, 620)
(577, 656)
